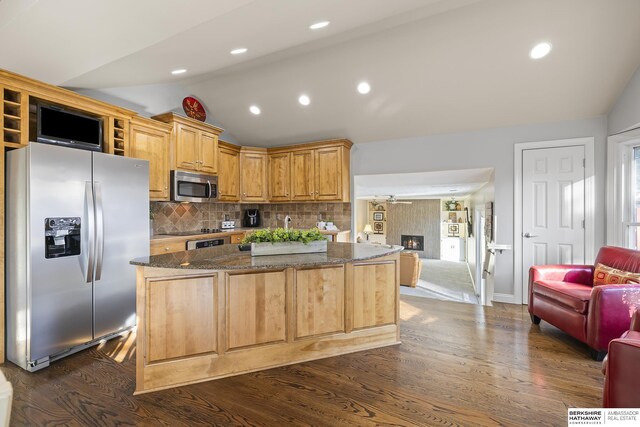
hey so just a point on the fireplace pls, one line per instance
(412, 243)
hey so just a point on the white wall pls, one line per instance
(480, 149)
(360, 217)
(157, 99)
(478, 200)
(625, 114)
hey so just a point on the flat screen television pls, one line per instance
(60, 126)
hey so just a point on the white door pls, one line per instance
(553, 208)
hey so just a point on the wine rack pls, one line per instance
(13, 122)
(118, 136)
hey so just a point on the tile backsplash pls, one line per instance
(171, 217)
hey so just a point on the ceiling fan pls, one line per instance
(392, 200)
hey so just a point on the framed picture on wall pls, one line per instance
(488, 222)
(378, 227)
(378, 216)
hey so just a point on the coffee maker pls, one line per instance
(251, 218)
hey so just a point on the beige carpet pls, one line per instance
(444, 280)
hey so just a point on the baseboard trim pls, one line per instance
(506, 298)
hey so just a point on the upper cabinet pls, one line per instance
(149, 140)
(302, 176)
(253, 174)
(279, 177)
(316, 171)
(228, 172)
(194, 144)
(329, 174)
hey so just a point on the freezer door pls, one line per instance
(60, 313)
(121, 187)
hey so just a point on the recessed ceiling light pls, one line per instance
(364, 88)
(255, 110)
(238, 51)
(319, 25)
(179, 71)
(540, 50)
(304, 100)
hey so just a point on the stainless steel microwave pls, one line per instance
(193, 187)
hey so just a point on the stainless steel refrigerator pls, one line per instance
(74, 220)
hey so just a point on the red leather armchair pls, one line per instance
(622, 370)
(564, 296)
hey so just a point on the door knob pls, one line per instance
(529, 235)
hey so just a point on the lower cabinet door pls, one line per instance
(181, 318)
(374, 295)
(319, 301)
(256, 309)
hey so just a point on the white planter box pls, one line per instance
(287, 248)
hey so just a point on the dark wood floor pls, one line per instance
(458, 364)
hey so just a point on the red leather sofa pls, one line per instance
(622, 369)
(564, 296)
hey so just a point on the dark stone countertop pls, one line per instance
(229, 257)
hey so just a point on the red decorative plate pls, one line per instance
(194, 109)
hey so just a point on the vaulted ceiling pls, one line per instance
(434, 66)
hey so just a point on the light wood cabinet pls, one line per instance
(149, 140)
(194, 144)
(374, 295)
(190, 327)
(236, 238)
(256, 309)
(208, 152)
(255, 319)
(228, 172)
(279, 177)
(319, 303)
(302, 176)
(319, 171)
(159, 247)
(328, 171)
(253, 175)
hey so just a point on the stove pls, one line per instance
(194, 232)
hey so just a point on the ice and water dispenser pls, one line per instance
(62, 237)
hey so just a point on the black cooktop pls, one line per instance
(194, 232)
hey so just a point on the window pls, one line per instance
(632, 225)
(623, 190)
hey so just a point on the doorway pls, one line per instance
(414, 212)
(554, 206)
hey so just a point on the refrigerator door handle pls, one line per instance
(88, 190)
(99, 230)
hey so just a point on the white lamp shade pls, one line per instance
(367, 229)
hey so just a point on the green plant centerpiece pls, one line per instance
(282, 241)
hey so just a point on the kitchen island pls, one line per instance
(216, 312)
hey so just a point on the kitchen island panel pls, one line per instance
(256, 308)
(181, 317)
(319, 301)
(287, 310)
(374, 294)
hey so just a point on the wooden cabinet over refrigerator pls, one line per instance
(149, 140)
